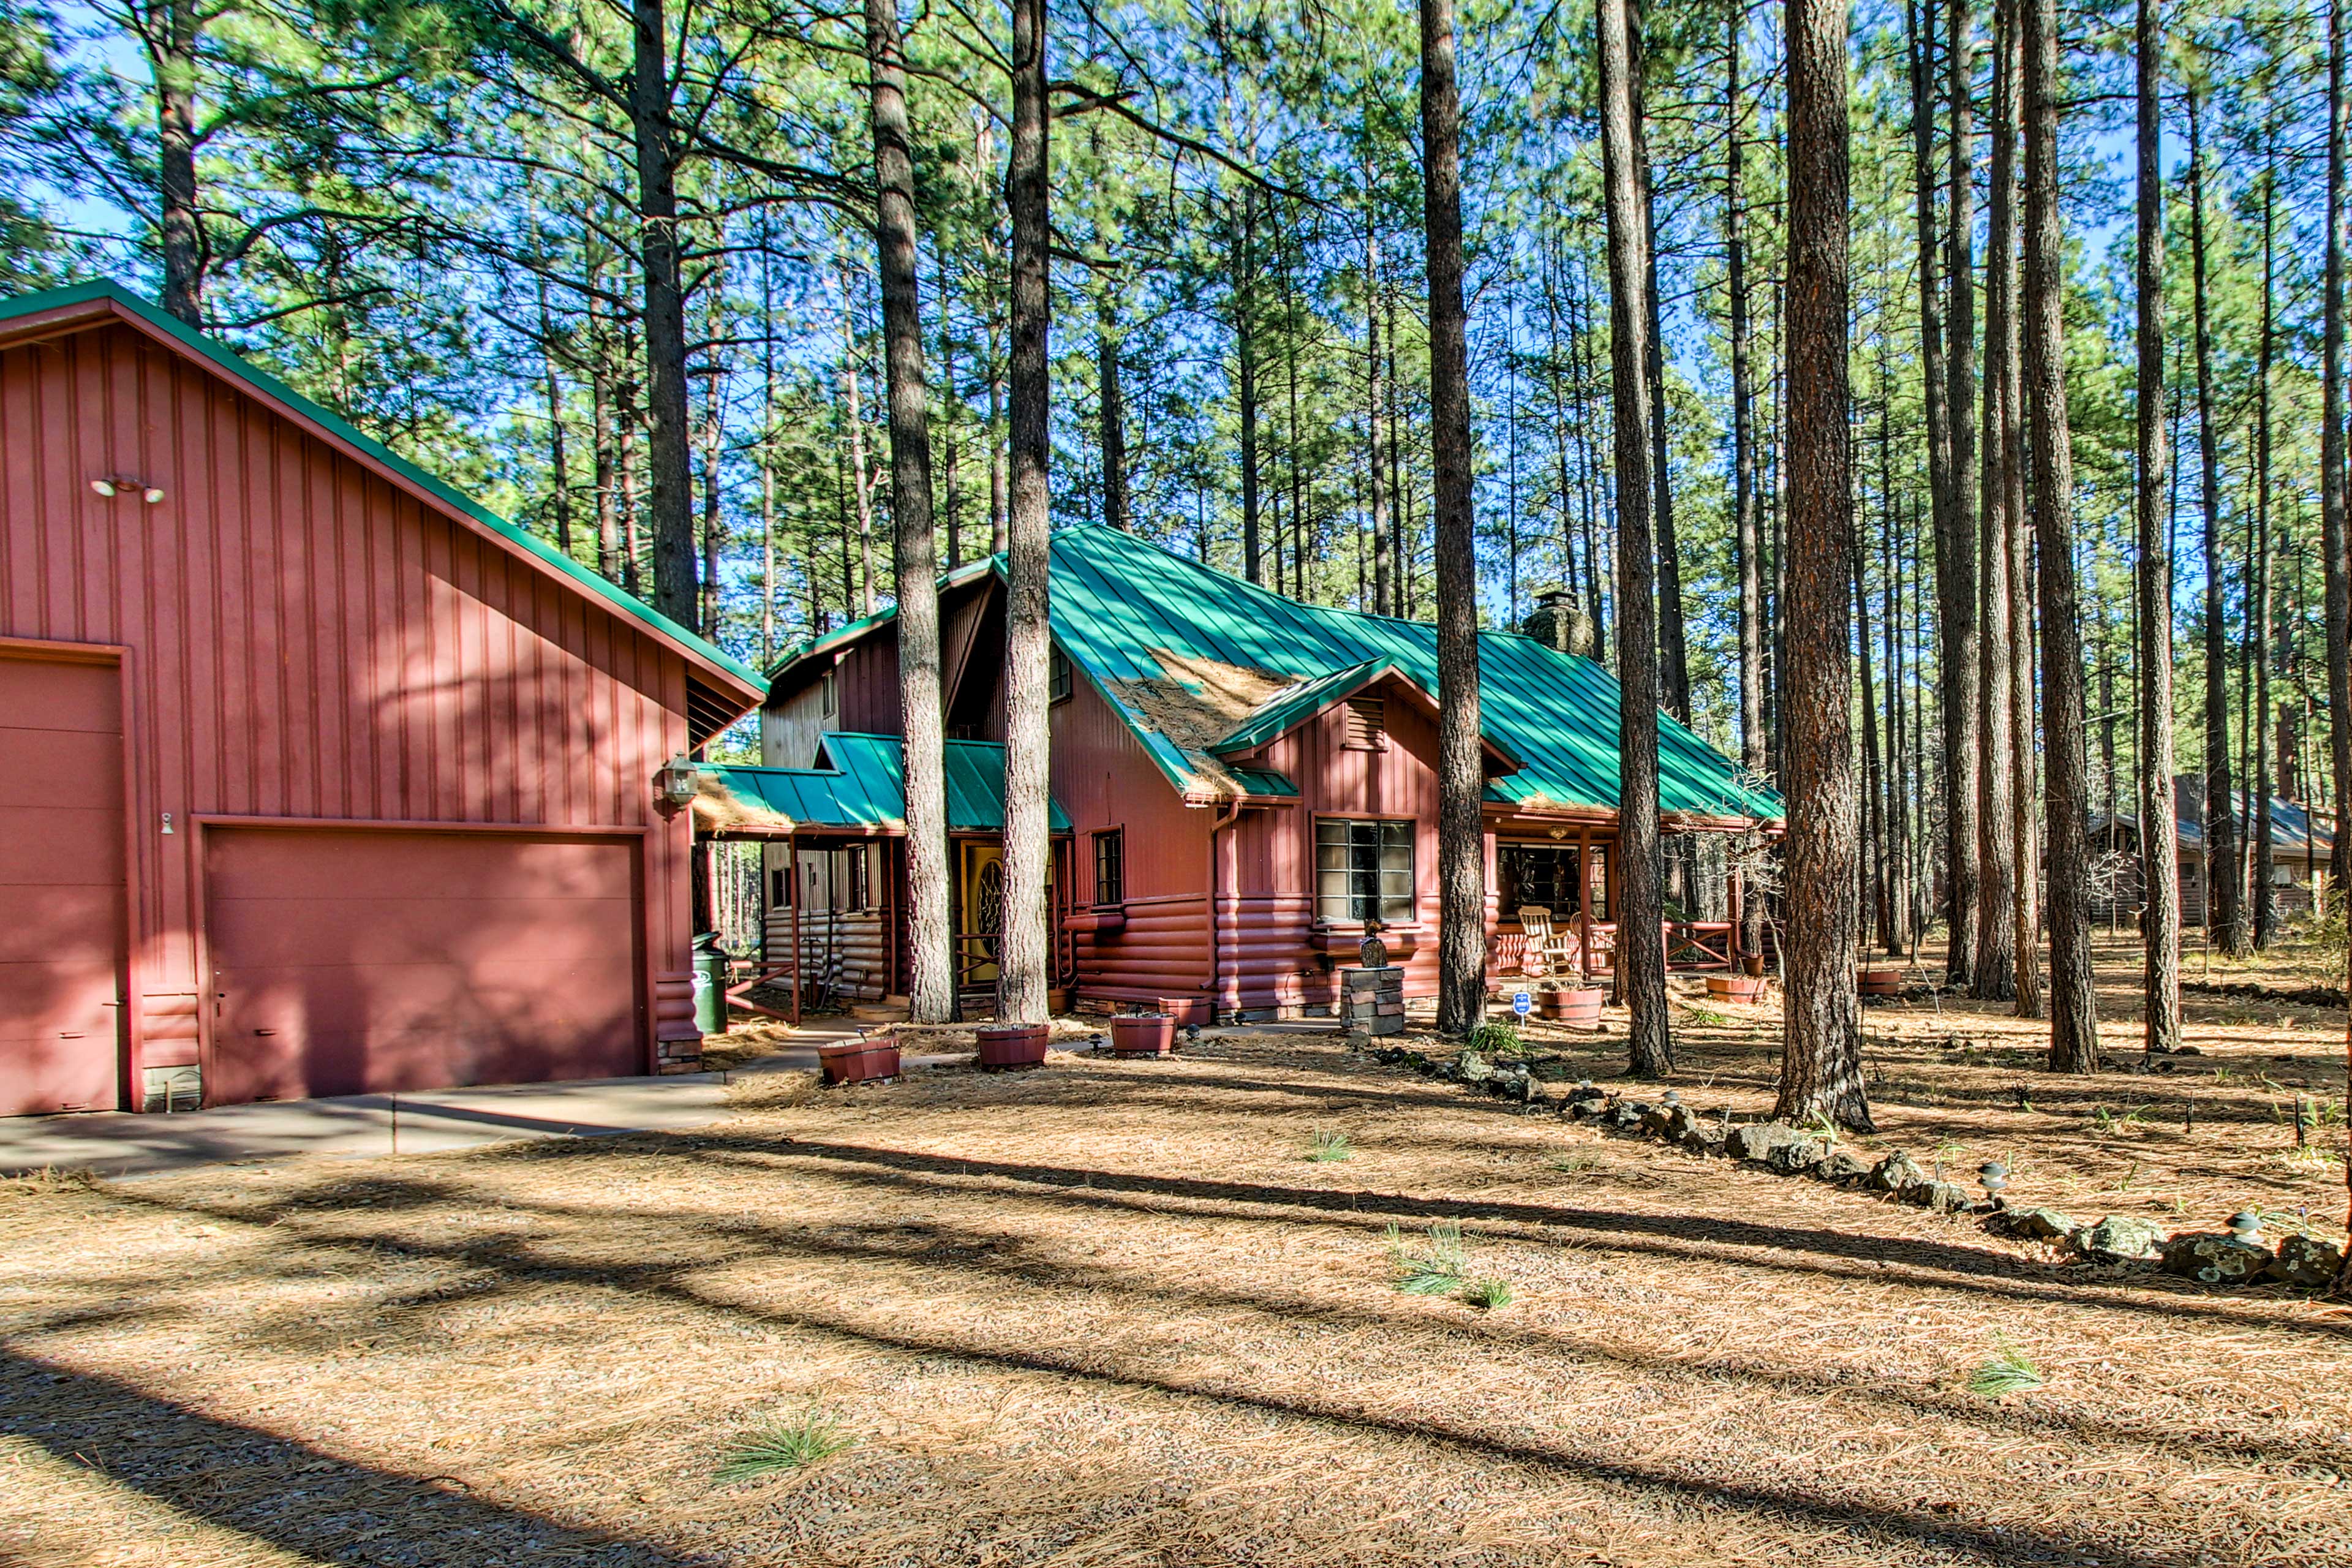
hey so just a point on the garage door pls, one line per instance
(61, 909)
(360, 961)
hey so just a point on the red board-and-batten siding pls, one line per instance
(305, 639)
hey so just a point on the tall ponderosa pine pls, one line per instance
(2159, 831)
(1461, 774)
(1023, 951)
(1998, 915)
(1641, 965)
(930, 963)
(2333, 474)
(2074, 1015)
(1820, 1067)
(2224, 874)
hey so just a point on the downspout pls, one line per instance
(1226, 818)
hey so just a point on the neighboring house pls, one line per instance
(1245, 781)
(315, 777)
(2301, 843)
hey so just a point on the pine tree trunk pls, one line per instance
(1820, 1066)
(1375, 460)
(1024, 953)
(1245, 390)
(1640, 961)
(1998, 936)
(1753, 753)
(1113, 413)
(2074, 1017)
(2258, 621)
(2159, 829)
(170, 37)
(669, 500)
(931, 983)
(950, 417)
(1460, 773)
(1955, 571)
(2333, 543)
(2226, 929)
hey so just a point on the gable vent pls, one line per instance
(1367, 722)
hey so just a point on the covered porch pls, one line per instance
(834, 905)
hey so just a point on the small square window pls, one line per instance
(1110, 868)
(1058, 679)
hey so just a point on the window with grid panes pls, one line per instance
(1363, 870)
(1110, 869)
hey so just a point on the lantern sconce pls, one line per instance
(676, 783)
(113, 485)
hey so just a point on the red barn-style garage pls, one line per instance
(316, 778)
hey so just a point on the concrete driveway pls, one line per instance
(363, 1126)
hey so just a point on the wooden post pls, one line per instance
(793, 885)
(1584, 906)
(1731, 896)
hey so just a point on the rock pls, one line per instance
(1793, 1158)
(2190, 1051)
(1841, 1165)
(1472, 1068)
(1704, 1141)
(2032, 1225)
(1626, 1116)
(2216, 1259)
(1757, 1140)
(2118, 1240)
(1681, 1122)
(1587, 1102)
(1941, 1197)
(2306, 1260)
(1510, 1081)
(1898, 1174)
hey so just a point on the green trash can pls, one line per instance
(711, 961)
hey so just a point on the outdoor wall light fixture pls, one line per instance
(675, 784)
(1995, 1177)
(116, 484)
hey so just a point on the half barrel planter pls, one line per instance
(1142, 1034)
(1187, 1012)
(1006, 1046)
(1577, 1006)
(859, 1061)
(1881, 982)
(1742, 988)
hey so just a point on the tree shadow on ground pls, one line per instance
(282, 1493)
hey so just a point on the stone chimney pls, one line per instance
(1557, 623)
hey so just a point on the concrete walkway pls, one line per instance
(364, 1126)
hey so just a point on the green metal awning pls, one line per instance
(862, 790)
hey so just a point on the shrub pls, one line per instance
(2008, 1370)
(1330, 1144)
(1488, 1294)
(1433, 1272)
(1496, 1039)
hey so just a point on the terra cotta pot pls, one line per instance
(1579, 1006)
(1881, 982)
(1004, 1047)
(859, 1061)
(1142, 1034)
(1187, 1012)
(1736, 987)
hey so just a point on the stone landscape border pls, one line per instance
(2238, 1257)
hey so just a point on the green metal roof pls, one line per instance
(863, 789)
(1120, 603)
(241, 369)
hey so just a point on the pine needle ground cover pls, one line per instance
(1105, 1314)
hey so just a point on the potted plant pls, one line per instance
(1187, 1012)
(859, 1061)
(1576, 1006)
(1142, 1034)
(1748, 988)
(1881, 982)
(1005, 1047)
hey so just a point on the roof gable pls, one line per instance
(860, 786)
(80, 305)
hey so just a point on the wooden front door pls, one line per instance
(979, 918)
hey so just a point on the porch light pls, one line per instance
(103, 487)
(676, 784)
(1995, 1177)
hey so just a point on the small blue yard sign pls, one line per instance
(1521, 1003)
